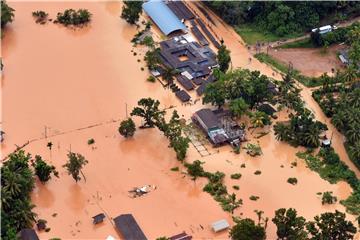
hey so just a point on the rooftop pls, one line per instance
(128, 227)
(163, 17)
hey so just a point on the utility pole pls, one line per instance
(126, 112)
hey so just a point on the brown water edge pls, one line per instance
(63, 85)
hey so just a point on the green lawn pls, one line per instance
(250, 34)
(304, 43)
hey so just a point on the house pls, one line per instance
(344, 57)
(220, 225)
(128, 227)
(211, 125)
(181, 236)
(163, 17)
(190, 58)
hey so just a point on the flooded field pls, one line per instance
(310, 62)
(67, 86)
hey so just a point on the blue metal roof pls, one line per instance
(163, 17)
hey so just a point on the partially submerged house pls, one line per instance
(219, 128)
(28, 234)
(128, 227)
(181, 236)
(163, 17)
(190, 58)
(220, 225)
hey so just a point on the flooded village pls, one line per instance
(70, 90)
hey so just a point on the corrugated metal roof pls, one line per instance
(163, 17)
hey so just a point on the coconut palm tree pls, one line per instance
(349, 75)
(354, 151)
(169, 74)
(338, 120)
(11, 182)
(353, 133)
(281, 132)
(311, 138)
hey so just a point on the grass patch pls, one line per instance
(252, 34)
(235, 176)
(303, 43)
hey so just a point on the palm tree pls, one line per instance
(281, 132)
(354, 151)
(353, 133)
(311, 138)
(168, 75)
(11, 182)
(338, 120)
(349, 75)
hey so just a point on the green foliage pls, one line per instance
(127, 128)
(17, 182)
(223, 58)
(131, 11)
(74, 17)
(246, 229)
(302, 130)
(259, 119)
(74, 165)
(43, 170)
(229, 202)
(331, 226)
(253, 149)
(148, 109)
(162, 238)
(152, 58)
(235, 176)
(303, 43)
(7, 14)
(251, 86)
(289, 225)
(40, 16)
(148, 41)
(282, 18)
(195, 169)
(238, 107)
(151, 79)
(292, 181)
(328, 198)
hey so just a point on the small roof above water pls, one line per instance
(163, 17)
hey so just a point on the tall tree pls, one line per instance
(7, 14)
(215, 94)
(74, 165)
(238, 107)
(246, 229)
(127, 128)
(148, 109)
(289, 225)
(223, 58)
(331, 226)
(131, 11)
(195, 169)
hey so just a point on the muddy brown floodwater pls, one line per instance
(67, 86)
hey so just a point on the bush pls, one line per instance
(328, 198)
(292, 181)
(257, 172)
(74, 17)
(127, 128)
(151, 79)
(254, 198)
(90, 141)
(235, 176)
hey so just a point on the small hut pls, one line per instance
(98, 218)
(28, 234)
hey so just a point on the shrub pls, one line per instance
(254, 198)
(235, 176)
(90, 141)
(74, 17)
(151, 79)
(257, 172)
(328, 198)
(292, 181)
